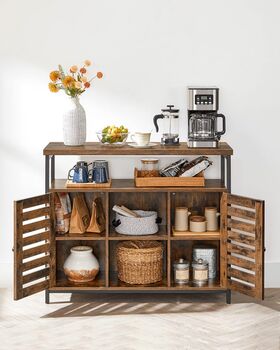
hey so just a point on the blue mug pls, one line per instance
(99, 174)
(79, 173)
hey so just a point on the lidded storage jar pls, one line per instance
(181, 271)
(200, 272)
(149, 167)
(140, 262)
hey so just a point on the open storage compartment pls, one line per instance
(184, 249)
(116, 283)
(147, 201)
(63, 251)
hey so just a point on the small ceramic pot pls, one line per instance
(181, 218)
(197, 223)
(81, 266)
(211, 216)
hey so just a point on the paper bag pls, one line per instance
(80, 215)
(98, 219)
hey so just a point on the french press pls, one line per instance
(170, 116)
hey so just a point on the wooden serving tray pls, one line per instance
(196, 235)
(71, 184)
(195, 181)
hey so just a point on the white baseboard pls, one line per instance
(272, 275)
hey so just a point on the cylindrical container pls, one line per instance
(209, 254)
(181, 218)
(200, 272)
(197, 223)
(211, 216)
(81, 265)
(149, 167)
(101, 162)
(181, 271)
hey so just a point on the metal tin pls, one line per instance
(181, 271)
(200, 272)
(209, 254)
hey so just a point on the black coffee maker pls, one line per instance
(203, 105)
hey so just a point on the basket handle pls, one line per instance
(116, 223)
(158, 220)
(134, 245)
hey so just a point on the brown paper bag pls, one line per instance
(80, 215)
(98, 219)
(62, 207)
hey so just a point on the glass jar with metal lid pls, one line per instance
(181, 271)
(200, 272)
(149, 167)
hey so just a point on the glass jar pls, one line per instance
(181, 271)
(149, 167)
(200, 272)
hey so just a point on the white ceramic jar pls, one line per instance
(211, 214)
(81, 265)
(197, 223)
(181, 219)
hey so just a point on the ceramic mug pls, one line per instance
(181, 218)
(79, 173)
(211, 214)
(141, 138)
(197, 223)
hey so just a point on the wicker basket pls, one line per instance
(140, 262)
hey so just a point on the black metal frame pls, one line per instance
(226, 180)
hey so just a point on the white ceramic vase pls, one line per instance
(81, 265)
(74, 124)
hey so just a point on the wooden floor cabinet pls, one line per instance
(39, 253)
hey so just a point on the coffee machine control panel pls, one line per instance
(203, 98)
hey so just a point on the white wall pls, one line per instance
(149, 52)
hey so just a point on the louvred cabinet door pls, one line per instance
(33, 240)
(242, 248)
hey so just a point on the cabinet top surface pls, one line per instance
(96, 148)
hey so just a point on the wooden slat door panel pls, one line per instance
(242, 248)
(33, 256)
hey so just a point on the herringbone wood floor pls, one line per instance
(145, 322)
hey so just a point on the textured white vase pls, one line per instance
(74, 124)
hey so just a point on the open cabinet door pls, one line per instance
(242, 248)
(33, 237)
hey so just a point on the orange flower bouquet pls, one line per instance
(74, 82)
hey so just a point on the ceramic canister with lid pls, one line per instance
(197, 223)
(181, 271)
(200, 272)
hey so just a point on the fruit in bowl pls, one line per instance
(113, 135)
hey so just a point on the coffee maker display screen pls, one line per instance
(204, 99)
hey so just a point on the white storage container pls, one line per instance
(147, 224)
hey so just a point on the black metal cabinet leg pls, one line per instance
(52, 169)
(228, 296)
(223, 170)
(47, 174)
(47, 296)
(229, 174)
